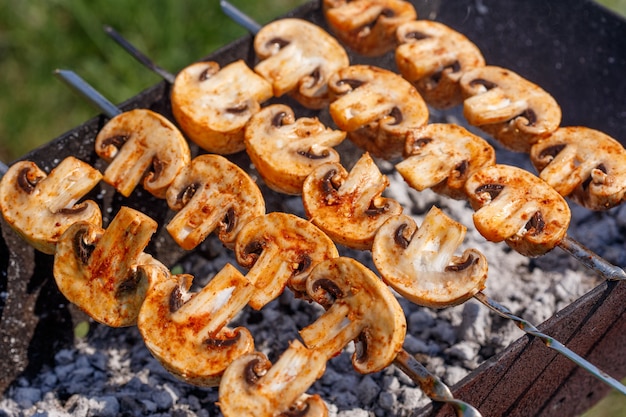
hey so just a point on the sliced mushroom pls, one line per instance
(510, 108)
(99, 270)
(359, 307)
(583, 164)
(141, 144)
(433, 57)
(280, 249)
(376, 107)
(285, 150)
(252, 387)
(212, 106)
(420, 263)
(41, 207)
(513, 205)
(349, 207)
(212, 193)
(187, 332)
(442, 157)
(368, 26)
(298, 57)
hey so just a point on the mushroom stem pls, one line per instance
(591, 260)
(139, 56)
(431, 385)
(550, 342)
(240, 17)
(87, 91)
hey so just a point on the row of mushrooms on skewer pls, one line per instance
(220, 109)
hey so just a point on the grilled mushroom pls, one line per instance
(212, 193)
(99, 270)
(349, 206)
(368, 26)
(298, 57)
(212, 106)
(376, 107)
(420, 264)
(141, 144)
(515, 206)
(510, 108)
(41, 207)
(359, 307)
(285, 150)
(280, 249)
(583, 164)
(442, 157)
(433, 57)
(187, 332)
(252, 387)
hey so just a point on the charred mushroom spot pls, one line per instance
(253, 250)
(130, 284)
(251, 372)
(420, 143)
(585, 184)
(400, 238)
(279, 42)
(117, 141)
(351, 82)
(530, 115)
(176, 299)
(73, 210)
(536, 224)
(551, 152)
(186, 194)
(331, 291)
(82, 250)
(396, 113)
(157, 168)
(296, 411)
(238, 109)
(454, 67)
(277, 120)
(228, 341)
(26, 184)
(387, 12)
(375, 211)
(361, 344)
(461, 167)
(492, 189)
(230, 220)
(304, 263)
(328, 185)
(417, 35)
(316, 77)
(482, 82)
(206, 74)
(462, 266)
(310, 155)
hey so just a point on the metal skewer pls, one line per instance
(431, 385)
(87, 91)
(3, 169)
(550, 342)
(591, 260)
(240, 17)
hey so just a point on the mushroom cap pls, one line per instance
(281, 249)
(420, 264)
(376, 107)
(510, 108)
(583, 164)
(141, 144)
(513, 205)
(349, 207)
(212, 193)
(212, 106)
(99, 270)
(187, 331)
(252, 387)
(442, 156)
(433, 57)
(298, 57)
(367, 26)
(285, 150)
(41, 207)
(359, 307)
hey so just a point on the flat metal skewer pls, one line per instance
(550, 342)
(591, 260)
(139, 56)
(87, 91)
(431, 385)
(240, 17)
(3, 169)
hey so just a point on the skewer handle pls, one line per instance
(240, 17)
(551, 343)
(139, 56)
(591, 260)
(87, 91)
(431, 385)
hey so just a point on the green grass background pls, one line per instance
(38, 36)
